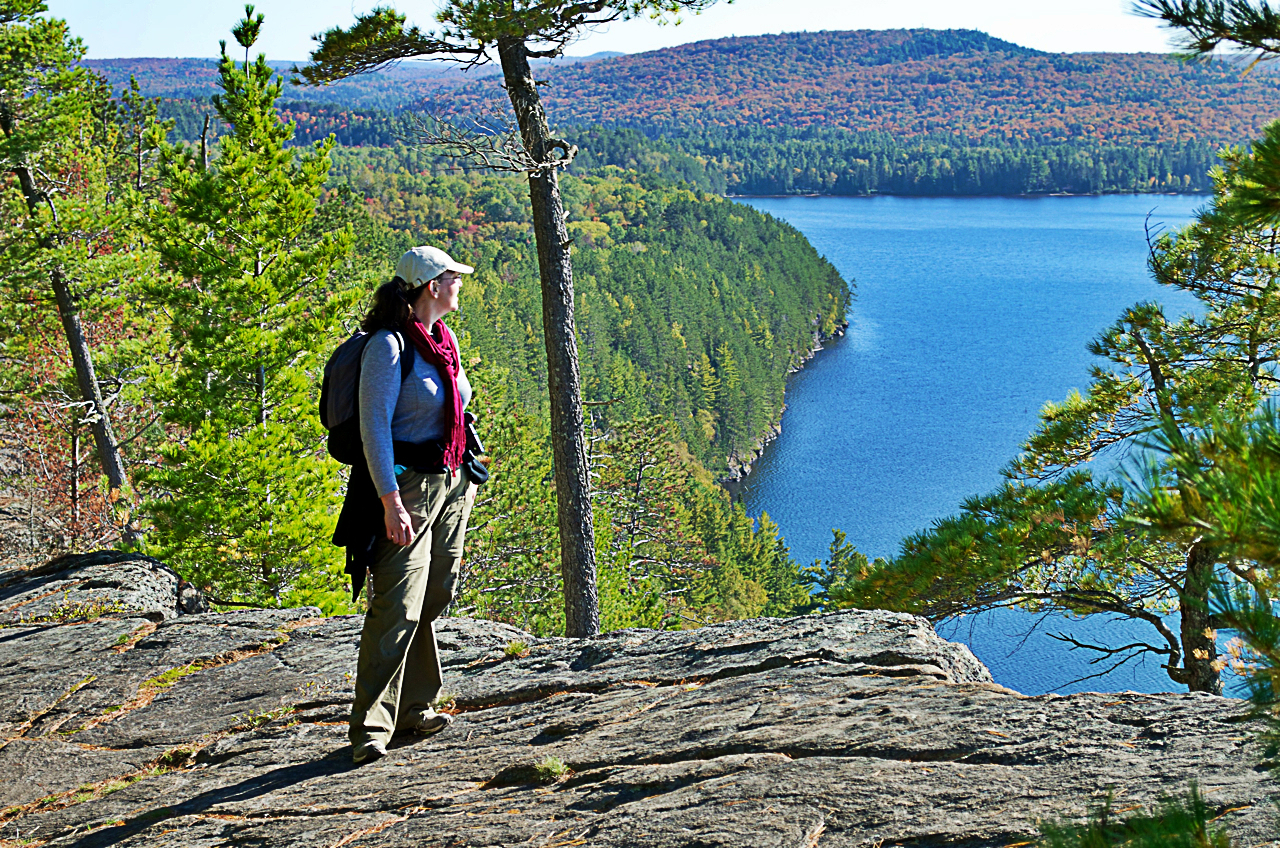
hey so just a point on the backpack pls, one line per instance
(340, 396)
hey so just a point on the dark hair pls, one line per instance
(389, 309)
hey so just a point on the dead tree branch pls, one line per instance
(491, 142)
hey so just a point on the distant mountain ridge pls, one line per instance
(388, 89)
(909, 83)
(839, 48)
(902, 82)
(945, 112)
(401, 85)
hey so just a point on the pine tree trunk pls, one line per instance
(573, 485)
(104, 436)
(1199, 650)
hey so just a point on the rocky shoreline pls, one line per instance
(161, 727)
(740, 464)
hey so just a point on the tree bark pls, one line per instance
(573, 484)
(204, 146)
(1199, 650)
(104, 436)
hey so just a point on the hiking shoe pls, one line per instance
(432, 722)
(368, 751)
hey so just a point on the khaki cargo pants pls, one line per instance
(398, 673)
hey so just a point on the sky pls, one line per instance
(131, 28)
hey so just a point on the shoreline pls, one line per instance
(1036, 195)
(739, 464)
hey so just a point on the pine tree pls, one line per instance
(56, 141)
(836, 579)
(511, 569)
(650, 554)
(1228, 493)
(245, 497)
(732, 408)
(1253, 27)
(1060, 537)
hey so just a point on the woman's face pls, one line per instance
(438, 297)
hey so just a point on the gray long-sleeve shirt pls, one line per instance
(412, 411)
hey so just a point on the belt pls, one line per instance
(423, 457)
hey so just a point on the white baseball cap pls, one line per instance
(423, 264)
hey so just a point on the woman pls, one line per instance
(414, 440)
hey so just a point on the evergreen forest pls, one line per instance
(201, 280)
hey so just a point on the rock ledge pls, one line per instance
(857, 728)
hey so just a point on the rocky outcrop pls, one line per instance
(91, 585)
(855, 728)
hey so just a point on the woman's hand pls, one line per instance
(399, 526)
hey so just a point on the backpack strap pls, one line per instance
(406, 357)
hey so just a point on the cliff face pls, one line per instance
(845, 729)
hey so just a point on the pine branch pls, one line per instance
(1105, 652)
(1209, 24)
(377, 40)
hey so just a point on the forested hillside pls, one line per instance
(903, 83)
(894, 112)
(689, 306)
(691, 310)
(822, 160)
(913, 82)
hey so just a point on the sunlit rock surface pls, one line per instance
(855, 728)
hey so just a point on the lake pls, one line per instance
(970, 314)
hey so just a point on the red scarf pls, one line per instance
(444, 355)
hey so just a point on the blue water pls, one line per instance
(970, 314)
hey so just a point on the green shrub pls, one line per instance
(1176, 822)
